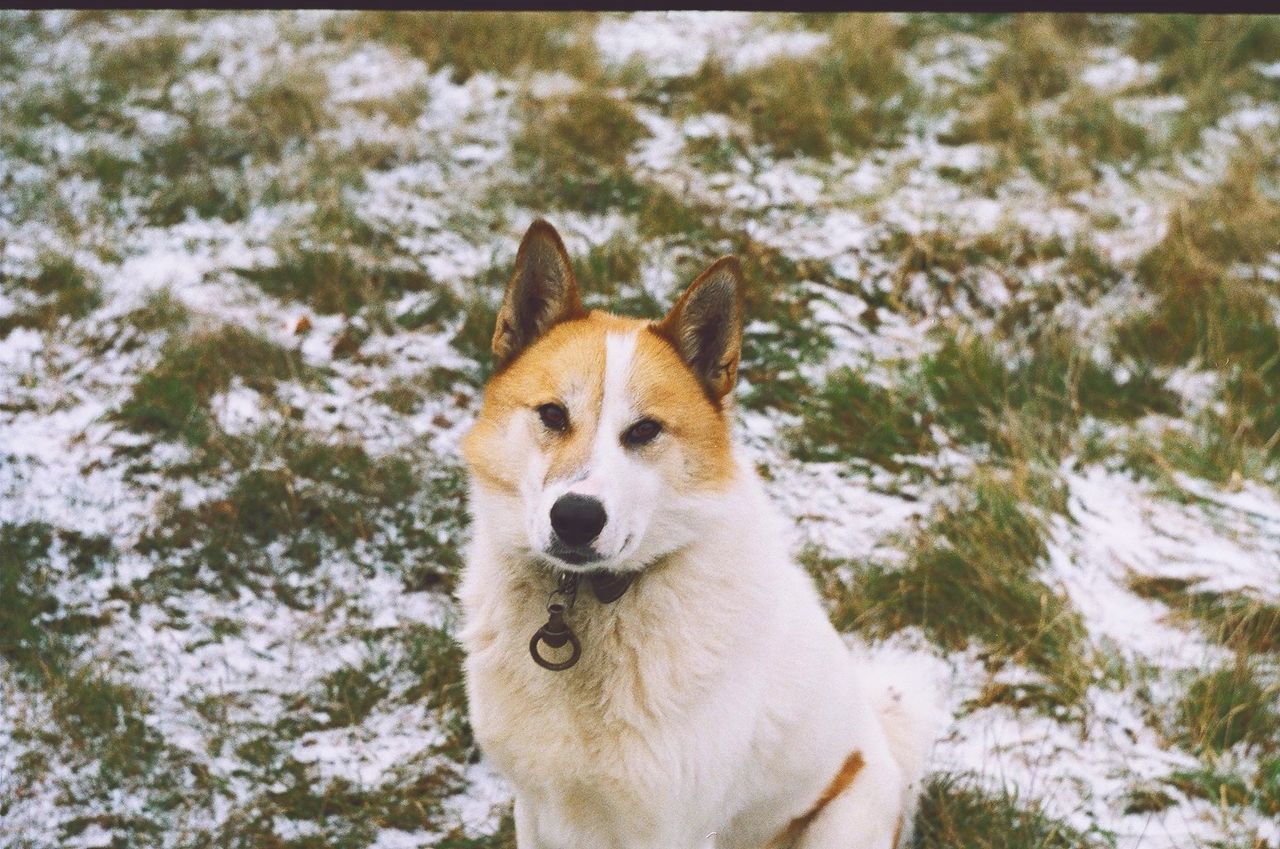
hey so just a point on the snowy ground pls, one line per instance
(247, 268)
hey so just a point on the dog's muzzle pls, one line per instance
(576, 521)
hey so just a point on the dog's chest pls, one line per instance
(611, 724)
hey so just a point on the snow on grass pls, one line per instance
(262, 653)
(672, 44)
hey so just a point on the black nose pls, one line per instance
(577, 519)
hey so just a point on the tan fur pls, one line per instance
(795, 829)
(569, 361)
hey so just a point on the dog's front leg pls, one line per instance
(529, 836)
(526, 832)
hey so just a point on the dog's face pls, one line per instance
(604, 438)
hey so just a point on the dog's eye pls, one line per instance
(642, 432)
(554, 416)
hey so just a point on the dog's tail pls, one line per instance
(906, 691)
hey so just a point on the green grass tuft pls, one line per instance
(974, 386)
(1024, 409)
(34, 627)
(1208, 59)
(434, 660)
(1211, 308)
(287, 107)
(1090, 121)
(60, 289)
(1227, 706)
(171, 400)
(971, 573)
(955, 813)
(1233, 619)
(1039, 60)
(573, 147)
(852, 417)
(305, 498)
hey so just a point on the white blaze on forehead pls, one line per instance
(615, 405)
(607, 455)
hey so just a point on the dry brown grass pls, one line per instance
(574, 146)
(471, 42)
(847, 96)
(1211, 308)
(1207, 59)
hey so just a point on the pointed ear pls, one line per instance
(542, 293)
(705, 326)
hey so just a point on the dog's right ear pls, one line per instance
(542, 293)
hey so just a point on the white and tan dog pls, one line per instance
(709, 702)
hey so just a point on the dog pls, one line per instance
(644, 661)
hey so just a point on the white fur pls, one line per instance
(631, 491)
(713, 703)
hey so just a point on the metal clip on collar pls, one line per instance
(556, 633)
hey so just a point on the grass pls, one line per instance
(305, 494)
(972, 574)
(1023, 410)
(609, 270)
(334, 280)
(973, 385)
(574, 146)
(1039, 59)
(171, 400)
(1210, 309)
(1207, 59)
(286, 107)
(1222, 789)
(1235, 620)
(297, 498)
(96, 724)
(29, 621)
(340, 814)
(409, 664)
(192, 170)
(406, 395)
(956, 813)
(62, 290)
(851, 417)
(434, 660)
(198, 166)
(109, 149)
(1093, 124)
(1014, 108)
(1053, 148)
(333, 259)
(1227, 706)
(472, 42)
(849, 95)
(14, 26)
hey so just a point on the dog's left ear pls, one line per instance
(705, 326)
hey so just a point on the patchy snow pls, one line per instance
(1116, 71)
(672, 44)
(223, 665)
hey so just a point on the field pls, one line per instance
(1012, 366)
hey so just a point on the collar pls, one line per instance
(608, 586)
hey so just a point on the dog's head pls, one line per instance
(603, 438)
